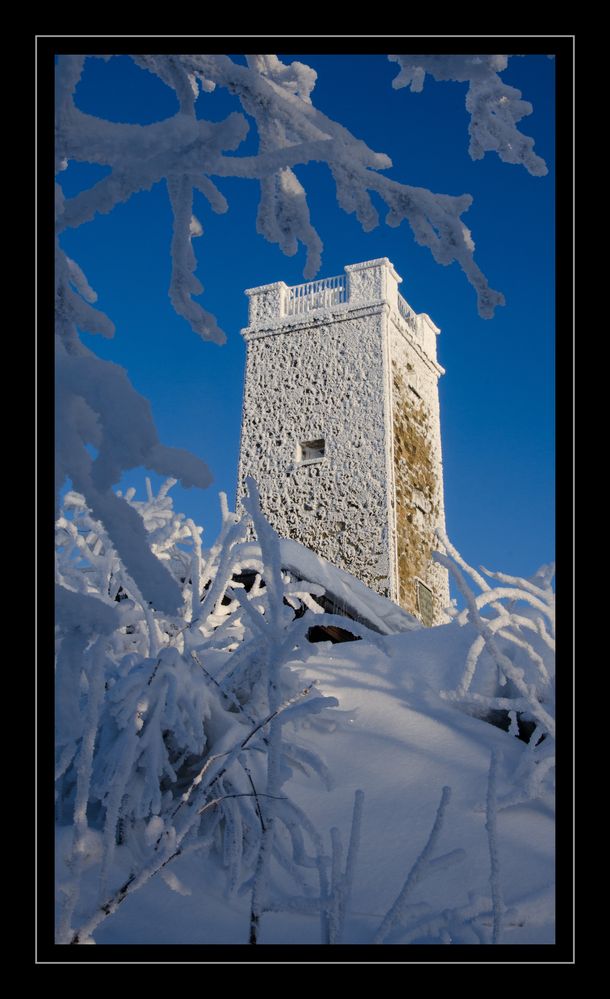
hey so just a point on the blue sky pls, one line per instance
(497, 397)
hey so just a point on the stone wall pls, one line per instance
(417, 473)
(322, 378)
(362, 376)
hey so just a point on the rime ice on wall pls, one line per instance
(345, 453)
(321, 381)
(418, 475)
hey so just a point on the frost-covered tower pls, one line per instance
(341, 428)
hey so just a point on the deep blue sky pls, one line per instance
(497, 397)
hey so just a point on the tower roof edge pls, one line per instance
(374, 263)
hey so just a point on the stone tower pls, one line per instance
(341, 428)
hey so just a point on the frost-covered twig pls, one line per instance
(525, 672)
(161, 778)
(507, 668)
(84, 766)
(495, 108)
(170, 851)
(229, 755)
(494, 857)
(419, 869)
(169, 843)
(342, 886)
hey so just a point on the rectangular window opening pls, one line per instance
(311, 450)
(425, 604)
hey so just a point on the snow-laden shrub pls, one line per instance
(177, 733)
(515, 622)
(170, 728)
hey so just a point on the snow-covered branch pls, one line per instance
(495, 107)
(422, 866)
(520, 643)
(149, 742)
(96, 403)
(188, 151)
(494, 857)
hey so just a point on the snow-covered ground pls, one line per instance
(400, 743)
(209, 764)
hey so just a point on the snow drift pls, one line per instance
(222, 779)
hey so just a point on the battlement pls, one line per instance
(373, 283)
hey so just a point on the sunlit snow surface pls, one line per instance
(401, 744)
